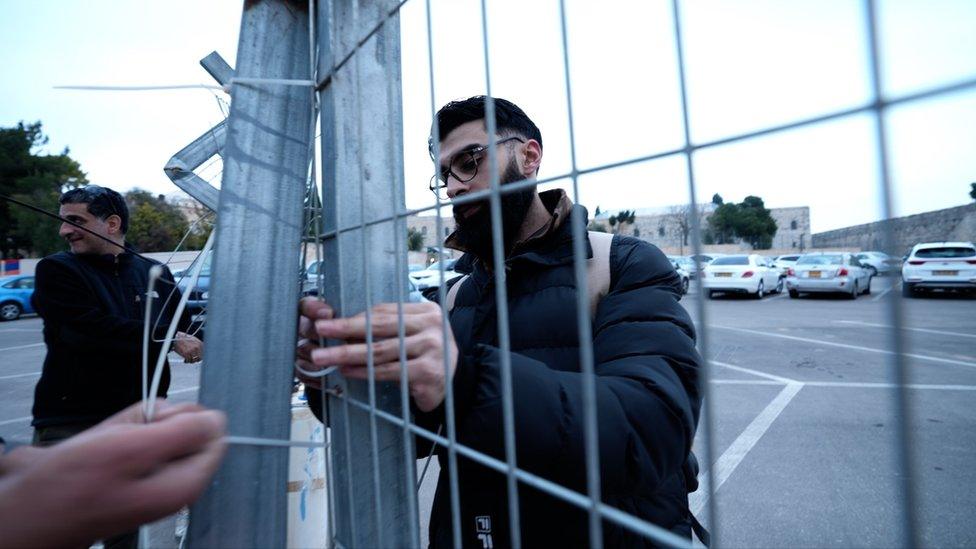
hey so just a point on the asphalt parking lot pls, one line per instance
(802, 394)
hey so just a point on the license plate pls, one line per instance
(814, 274)
(721, 275)
(945, 273)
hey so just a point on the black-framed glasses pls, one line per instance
(463, 166)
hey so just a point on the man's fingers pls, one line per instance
(146, 447)
(382, 324)
(389, 371)
(386, 350)
(178, 482)
(315, 309)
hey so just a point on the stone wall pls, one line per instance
(664, 229)
(950, 224)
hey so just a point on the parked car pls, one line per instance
(879, 263)
(830, 273)
(784, 262)
(196, 304)
(15, 296)
(939, 266)
(679, 268)
(431, 276)
(749, 274)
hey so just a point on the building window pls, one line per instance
(660, 231)
(423, 230)
(447, 231)
(793, 225)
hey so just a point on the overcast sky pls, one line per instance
(750, 64)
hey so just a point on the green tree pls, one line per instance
(717, 199)
(154, 224)
(201, 229)
(415, 239)
(749, 221)
(972, 191)
(31, 176)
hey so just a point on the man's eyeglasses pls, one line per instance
(463, 166)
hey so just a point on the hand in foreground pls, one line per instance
(423, 342)
(109, 479)
(188, 347)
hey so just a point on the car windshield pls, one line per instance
(820, 260)
(731, 260)
(204, 271)
(947, 252)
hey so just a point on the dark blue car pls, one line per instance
(15, 296)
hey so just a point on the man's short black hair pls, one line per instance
(510, 120)
(102, 202)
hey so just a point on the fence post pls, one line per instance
(361, 165)
(252, 314)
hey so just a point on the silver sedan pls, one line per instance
(829, 273)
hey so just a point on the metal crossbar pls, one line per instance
(339, 35)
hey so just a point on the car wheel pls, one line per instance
(10, 311)
(780, 285)
(907, 290)
(794, 294)
(759, 291)
(684, 286)
(854, 291)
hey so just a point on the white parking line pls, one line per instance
(20, 375)
(187, 390)
(36, 330)
(923, 330)
(778, 379)
(736, 452)
(849, 384)
(21, 347)
(846, 346)
(15, 420)
(888, 289)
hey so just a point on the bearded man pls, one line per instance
(645, 363)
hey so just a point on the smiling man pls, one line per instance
(92, 300)
(644, 353)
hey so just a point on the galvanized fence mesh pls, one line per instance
(336, 64)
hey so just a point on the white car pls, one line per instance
(685, 277)
(939, 266)
(829, 272)
(879, 263)
(749, 274)
(431, 276)
(784, 262)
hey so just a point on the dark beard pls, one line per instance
(474, 233)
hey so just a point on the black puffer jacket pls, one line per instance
(94, 309)
(647, 396)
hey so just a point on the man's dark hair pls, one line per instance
(102, 202)
(510, 120)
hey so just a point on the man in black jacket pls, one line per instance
(646, 365)
(92, 300)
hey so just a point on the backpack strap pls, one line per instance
(598, 269)
(452, 293)
(597, 273)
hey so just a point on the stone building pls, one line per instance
(669, 229)
(427, 225)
